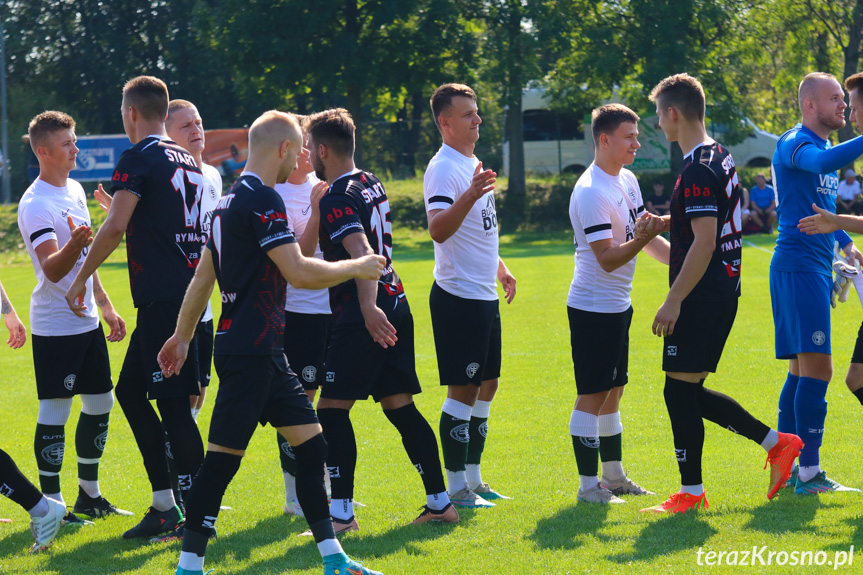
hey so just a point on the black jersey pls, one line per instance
(708, 187)
(247, 223)
(358, 203)
(163, 238)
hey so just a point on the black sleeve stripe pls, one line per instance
(794, 153)
(639, 210)
(440, 199)
(40, 233)
(597, 228)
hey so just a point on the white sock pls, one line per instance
(613, 470)
(583, 424)
(41, 509)
(191, 561)
(771, 440)
(290, 487)
(342, 509)
(330, 547)
(481, 409)
(437, 501)
(692, 489)
(56, 497)
(457, 409)
(163, 500)
(195, 413)
(91, 488)
(610, 424)
(807, 472)
(473, 474)
(456, 481)
(587, 482)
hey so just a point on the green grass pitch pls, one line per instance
(542, 530)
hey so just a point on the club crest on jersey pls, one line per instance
(101, 440)
(69, 381)
(53, 454)
(212, 192)
(461, 433)
(286, 449)
(471, 370)
(81, 202)
(309, 373)
(818, 338)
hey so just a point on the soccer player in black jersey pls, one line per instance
(249, 245)
(157, 190)
(697, 315)
(371, 348)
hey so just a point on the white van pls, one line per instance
(560, 142)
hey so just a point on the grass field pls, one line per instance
(542, 530)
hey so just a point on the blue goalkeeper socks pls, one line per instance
(810, 407)
(787, 421)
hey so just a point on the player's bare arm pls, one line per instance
(309, 240)
(311, 273)
(381, 330)
(824, 222)
(57, 262)
(611, 257)
(173, 354)
(506, 279)
(109, 314)
(17, 331)
(659, 249)
(444, 223)
(105, 242)
(693, 268)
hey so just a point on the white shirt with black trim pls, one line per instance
(42, 214)
(466, 263)
(602, 207)
(298, 203)
(209, 199)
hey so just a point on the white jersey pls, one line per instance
(466, 264)
(297, 198)
(602, 207)
(209, 198)
(42, 214)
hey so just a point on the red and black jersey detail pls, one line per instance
(163, 238)
(708, 187)
(247, 223)
(357, 203)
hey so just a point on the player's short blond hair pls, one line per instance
(271, 129)
(149, 96)
(49, 122)
(682, 92)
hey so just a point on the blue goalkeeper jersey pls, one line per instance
(804, 173)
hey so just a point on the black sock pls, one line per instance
(172, 466)
(186, 444)
(725, 412)
(49, 444)
(15, 486)
(311, 492)
(342, 452)
(286, 455)
(205, 498)
(859, 395)
(420, 444)
(586, 452)
(90, 438)
(147, 429)
(681, 399)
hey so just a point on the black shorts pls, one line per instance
(155, 324)
(68, 365)
(857, 356)
(467, 337)
(699, 336)
(306, 339)
(600, 349)
(357, 367)
(204, 335)
(256, 389)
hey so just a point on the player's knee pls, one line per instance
(311, 455)
(218, 470)
(404, 417)
(97, 404)
(54, 411)
(854, 377)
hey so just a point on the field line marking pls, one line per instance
(750, 244)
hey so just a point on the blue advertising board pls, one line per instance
(97, 157)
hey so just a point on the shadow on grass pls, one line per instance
(787, 513)
(123, 554)
(856, 540)
(565, 529)
(671, 534)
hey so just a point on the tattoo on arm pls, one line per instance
(100, 294)
(5, 304)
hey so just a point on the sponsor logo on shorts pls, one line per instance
(681, 454)
(286, 449)
(818, 338)
(671, 351)
(69, 382)
(168, 450)
(309, 373)
(590, 442)
(483, 429)
(158, 377)
(461, 433)
(419, 468)
(6, 491)
(331, 376)
(614, 374)
(101, 440)
(209, 522)
(472, 368)
(53, 454)
(334, 472)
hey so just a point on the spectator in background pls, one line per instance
(762, 204)
(848, 195)
(658, 203)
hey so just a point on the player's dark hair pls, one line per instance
(47, 123)
(148, 95)
(335, 129)
(683, 92)
(606, 119)
(854, 81)
(441, 100)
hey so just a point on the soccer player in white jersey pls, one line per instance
(70, 354)
(605, 206)
(307, 312)
(465, 314)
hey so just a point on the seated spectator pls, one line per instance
(658, 203)
(848, 196)
(762, 204)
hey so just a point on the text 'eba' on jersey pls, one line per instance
(708, 187)
(163, 238)
(357, 203)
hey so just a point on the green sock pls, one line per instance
(454, 440)
(49, 445)
(478, 430)
(586, 459)
(90, 438)
(286, 456)
(611, 448)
